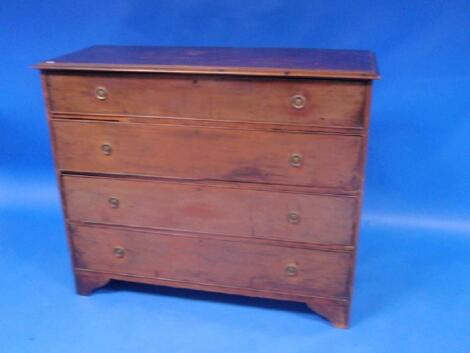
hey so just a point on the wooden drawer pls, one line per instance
(213, 262)
(321, 160)
(318, 102)
(211, 209)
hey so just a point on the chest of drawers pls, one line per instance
(228, 170)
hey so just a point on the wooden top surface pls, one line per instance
(327, 63)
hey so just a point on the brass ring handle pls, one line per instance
(293, 218)
(291, 270)
(119, 252)
(107, 149)
(114, 202)
(298, 101)
(296, 160)
(101, 93)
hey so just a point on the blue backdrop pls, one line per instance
(413, 267)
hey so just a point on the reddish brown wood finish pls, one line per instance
(355, 64)
(337, 313)
(328, 161)
(86, 281)
(210, 261)
(335, 310)
(212, 209)
(327, 102)
(194, 146)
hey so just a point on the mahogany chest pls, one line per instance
(220, 169)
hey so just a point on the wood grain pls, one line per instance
(335, 310)
(211, 210)
(209, 154)
(180, 172)
(212, 261)
(300, 62)
(327, 102)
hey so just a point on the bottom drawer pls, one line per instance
(212, 261)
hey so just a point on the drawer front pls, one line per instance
(213, 262)
(290, 101)
(330, 161)
(211, 209)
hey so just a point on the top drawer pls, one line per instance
(332, 103)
